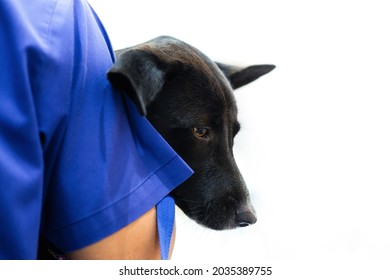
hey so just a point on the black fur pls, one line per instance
(182, 92)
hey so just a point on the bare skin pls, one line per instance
(137, 241)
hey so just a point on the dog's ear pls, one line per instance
(138, 74)
(240, 76)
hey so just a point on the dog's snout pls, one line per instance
(245, 216)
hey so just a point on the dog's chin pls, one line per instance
(218, 225)
(223, 218)
(213, 222)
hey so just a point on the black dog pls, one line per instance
(189, 100)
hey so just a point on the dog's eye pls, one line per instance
(200, 132)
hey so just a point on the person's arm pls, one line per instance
(139, 240)
(94, 166)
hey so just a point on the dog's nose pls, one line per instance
(245, 216)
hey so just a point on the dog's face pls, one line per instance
(189, 100)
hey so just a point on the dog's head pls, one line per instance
(189, 99)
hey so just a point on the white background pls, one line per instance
(315, 143)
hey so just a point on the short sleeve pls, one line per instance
(100, 163)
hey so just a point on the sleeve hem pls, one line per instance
(124, 211)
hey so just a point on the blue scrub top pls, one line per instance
(77, 161)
